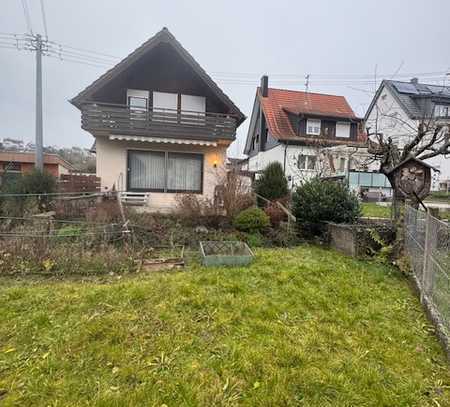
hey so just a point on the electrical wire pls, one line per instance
(26, 12)
(44, 19)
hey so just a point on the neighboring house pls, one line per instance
(297, 129)
(161, 124)
(22, 162)
(398, 108)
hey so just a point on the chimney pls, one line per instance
(415, 81)
(264, 86)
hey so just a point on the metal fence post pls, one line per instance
(426, 255)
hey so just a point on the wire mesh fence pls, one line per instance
(427, 243)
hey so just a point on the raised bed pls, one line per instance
(226, 253)
(162, 258)
(357, 240)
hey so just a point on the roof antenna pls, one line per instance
(307, 89)
(307, 83)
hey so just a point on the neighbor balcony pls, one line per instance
(115, 119)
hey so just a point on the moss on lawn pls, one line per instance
(303, 326)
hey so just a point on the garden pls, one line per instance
(106, 305)
(299, 326)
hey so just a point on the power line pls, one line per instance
(26, 13)
(44, 19)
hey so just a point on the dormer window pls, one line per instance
(313, 127)
(342, 130)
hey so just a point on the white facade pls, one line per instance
(314, 163)
(112, 167)
(389, 118)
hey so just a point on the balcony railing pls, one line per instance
(122, 119)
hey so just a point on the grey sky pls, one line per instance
(333, 41)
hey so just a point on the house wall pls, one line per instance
(401, 129)
(28, 167)
(278, 153)
(388, 117)
(112, 167)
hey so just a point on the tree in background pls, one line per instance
(272, 184)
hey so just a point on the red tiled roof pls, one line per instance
(281, 101)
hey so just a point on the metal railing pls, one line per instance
(123, 119)
(427, 244)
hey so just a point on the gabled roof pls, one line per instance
(408, 94)
(163, 36)
(415, 159)
(280, 102)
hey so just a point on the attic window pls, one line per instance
(313, 127)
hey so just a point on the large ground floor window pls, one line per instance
(164, 171)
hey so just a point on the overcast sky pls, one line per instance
(339, 43)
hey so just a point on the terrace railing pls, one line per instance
(123, 119)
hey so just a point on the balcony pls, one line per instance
(121, 119)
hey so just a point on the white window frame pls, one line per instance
(343, 129)
(441, 110)
(308, 158)
(138, 94)
(313, 127)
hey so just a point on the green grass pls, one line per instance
(372, 210)
(303, 326)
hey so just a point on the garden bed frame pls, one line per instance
(225, 253)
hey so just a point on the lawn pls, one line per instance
(303, 326)
(372, 210)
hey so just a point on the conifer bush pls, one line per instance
(317, 201)
(272, 184)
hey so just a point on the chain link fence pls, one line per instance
(427, 243)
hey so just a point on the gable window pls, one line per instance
(193, 109)
(137, 99)
(306, 162)
(342, 129)
(163, 171)
(313, 127)
(442, 111)
(165, 106)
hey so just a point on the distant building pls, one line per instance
(398, 108)
(297, 128)
(12, 162)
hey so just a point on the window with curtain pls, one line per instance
(146, 170)
(163, 171)
(184, 172)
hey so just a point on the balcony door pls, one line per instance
(138, 102)
(165, 107)
(193, 109)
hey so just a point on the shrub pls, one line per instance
(275, 214)
(251, 220)
(34, 182)
(272, 184)
(317, 201)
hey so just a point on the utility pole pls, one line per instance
(39, 164)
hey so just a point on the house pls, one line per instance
(12, 162)
(398, 108)
(297, 129)
(161, 124)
